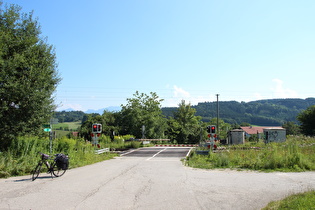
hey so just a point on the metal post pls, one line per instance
(50, 139)
(218, 130)
(143, 131)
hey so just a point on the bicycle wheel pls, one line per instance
(36, 171)
(58, 171)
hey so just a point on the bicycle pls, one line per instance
(55, 167)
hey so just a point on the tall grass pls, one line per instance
(296, 154)
(23, 154)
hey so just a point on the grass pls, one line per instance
(23, 155)
(295, 155)
(65, 128)
(300, 201)
(68, 126)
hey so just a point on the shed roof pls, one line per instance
(254, 130)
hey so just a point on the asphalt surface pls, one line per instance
(151, 178)
(155, 152)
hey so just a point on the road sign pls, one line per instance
(47, 129)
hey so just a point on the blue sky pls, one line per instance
(243, 50)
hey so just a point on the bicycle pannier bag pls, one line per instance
(62, 161)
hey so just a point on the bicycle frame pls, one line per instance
(52, 167)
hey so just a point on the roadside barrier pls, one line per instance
(100, 151)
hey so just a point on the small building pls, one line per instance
(236, 136)
(275, 134)
(256, 130)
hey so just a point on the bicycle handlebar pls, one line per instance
(44, 156)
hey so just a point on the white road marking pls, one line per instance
(156, 153)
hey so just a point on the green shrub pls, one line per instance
(65, 144)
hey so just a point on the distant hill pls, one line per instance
(70, 115)
(101, 111)
(271, 112)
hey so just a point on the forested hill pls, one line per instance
(271, 112)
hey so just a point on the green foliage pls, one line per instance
(28, 75)
(19, 158)
(73, 116)
(119, 142)
(111, 123)
(65, 145)
(291, 128)
(67, 126)
(143, 110)
(223, 127)
(23, 154)
(304, 200)
(297, 154)
(185, 127)
(273, 112)
(86, 127)
(307, 120)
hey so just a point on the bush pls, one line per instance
(65, 144)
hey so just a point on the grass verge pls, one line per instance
(297, 154)
(300, 201)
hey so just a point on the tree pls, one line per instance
(28, 75)
(307, 120)
(291, 128)
(143, 110)
(185, 126)
(110, 126)
(86, 126)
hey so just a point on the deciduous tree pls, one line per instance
(28, 75)
(185, 127)
(307, 120)
(143, 110)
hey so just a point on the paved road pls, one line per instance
(150, 182)
(155, 152)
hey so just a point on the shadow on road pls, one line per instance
(30, 179)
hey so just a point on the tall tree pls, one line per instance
(28, 75)
(307, 120)
(185, 127)
(143, 110)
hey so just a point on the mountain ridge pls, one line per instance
(266, 112)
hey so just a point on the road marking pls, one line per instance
(129, 152)
(156, 153)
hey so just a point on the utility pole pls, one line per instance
(218, 130)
